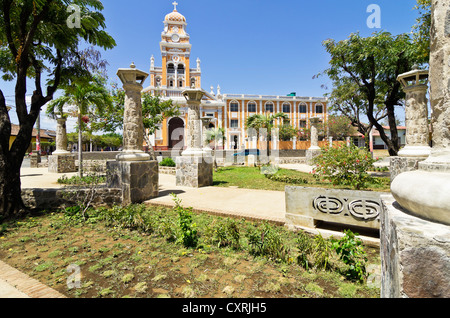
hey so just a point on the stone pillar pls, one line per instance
(194, 135)
(417, 146)
(195, 166)
(61, 137)
(314, 150)
(133, 171)
(416, 114)
(415, 223)
(440, 87)
(133, 127)
(61, 160)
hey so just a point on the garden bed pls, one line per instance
(136, 252)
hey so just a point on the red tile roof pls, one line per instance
(45, 133)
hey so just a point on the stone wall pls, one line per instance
(167, 170)
(49, 199)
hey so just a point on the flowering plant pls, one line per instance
(344, 165)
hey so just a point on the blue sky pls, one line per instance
(247, 46)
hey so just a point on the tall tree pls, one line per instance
(373, 65)
(89, 97)
(421, 30)
(347, 100)
(37, 42)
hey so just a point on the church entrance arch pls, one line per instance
(176, 133)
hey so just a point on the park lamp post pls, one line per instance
(415, 85)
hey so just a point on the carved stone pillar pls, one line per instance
(195, 166)
(61, 160)
(61, 137)
(194, 136)
(314, 150)
(314, 134)
(133, 129)
(417, 147)
(133, 172)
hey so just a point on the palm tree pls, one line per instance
(264, 121)
(215, 135)
(88, 96)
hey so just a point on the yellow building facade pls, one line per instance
(228, 111)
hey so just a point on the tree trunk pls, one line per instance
(11, 203)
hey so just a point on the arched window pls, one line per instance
(319, 109)
(303, 109)
(180, 69)
(251, 107)
(170, 69)
(234, 107)
(287, 108)
(268, 107)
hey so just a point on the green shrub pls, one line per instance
(344, 165)
(351, 252)
(85, 180)
(189, 233)
(305, 247)
(227, 233)
(321, 252)
(266, 241)
(167, 162)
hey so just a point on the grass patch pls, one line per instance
(252, 178)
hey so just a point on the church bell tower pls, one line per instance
(175, 73)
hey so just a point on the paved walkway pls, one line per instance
(231, 201)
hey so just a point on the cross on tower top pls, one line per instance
(175, 5)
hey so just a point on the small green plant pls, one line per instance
(167, 162)
(305, 246)
(344, 165)
(189, 233)
(266, 241)
(227, 233)
(321, 252)
(351, 252)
